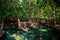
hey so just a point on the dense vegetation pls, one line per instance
(14, 11)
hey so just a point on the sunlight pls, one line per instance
(43, 30)
(20, 1)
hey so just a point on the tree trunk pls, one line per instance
(29, 8)
(19, 25)
(54, 12)
(2, 24)
(1, 30)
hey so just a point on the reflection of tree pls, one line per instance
(32, 34)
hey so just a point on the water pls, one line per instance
(32, 34)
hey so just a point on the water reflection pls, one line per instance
(32, 34)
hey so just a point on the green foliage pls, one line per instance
(58, 14)
(26, 8)
(47, 11)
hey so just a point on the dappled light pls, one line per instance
(29, 20)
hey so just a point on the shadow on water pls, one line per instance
(32, 34)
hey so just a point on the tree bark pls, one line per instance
(54, 12)
(19, 25)
(2, 24)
